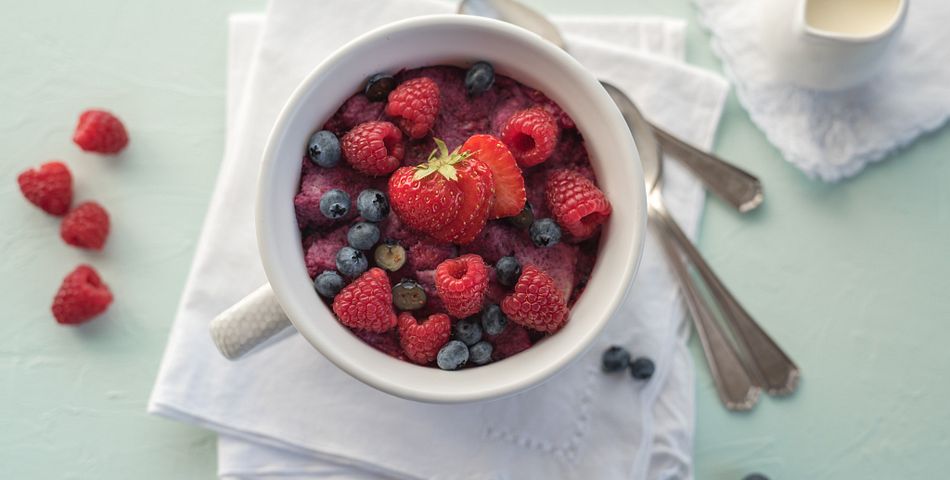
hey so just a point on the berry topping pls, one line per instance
(49, 187)
(475, 182)
(323, 149)
(536, 302)
(493, 320)
(615, 359)
(508, 181)
(86, 226)
(334, 204)
(409, 295)
(531, 135)
(452, 356)
(350, 262)
(390, 256)
(577, 204)
(373, 148)
(378, 87)
(328, 283)
(422, 341)
(523, 219)
(642, 368)
(101, 132)
(415, 103)
(462, 284)
(366, 303)
(373, 205)
(467, 331)
(513, 339)
(81, 297)
(363, 235)
(480, 353)
(427, 197)
(479, 78)
(508, 270)
(545, 232)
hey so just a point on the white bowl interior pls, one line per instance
(458, 40)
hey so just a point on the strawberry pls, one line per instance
(367, 303)
(415, 105)
(536, 302)
(462, 284)
(475, 182)
(510, 193)
(49, 187)
(422, 341)
(577, 204)
(81, 297)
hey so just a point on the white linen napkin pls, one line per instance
(835, 135)
(294, 413)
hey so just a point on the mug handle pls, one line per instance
(252, 323)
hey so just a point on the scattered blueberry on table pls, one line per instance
(351, 262)
(545, 232)
(453, 355)
(642, 368)
(323, 149)
(615, 359)
(334, 204)
(755, 476)
(328, 283)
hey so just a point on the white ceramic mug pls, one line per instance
(436, 40)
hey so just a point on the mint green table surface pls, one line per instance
(850, 278)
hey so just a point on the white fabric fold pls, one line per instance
(287, 412)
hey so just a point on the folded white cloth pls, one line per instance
(287, 411)
(835, 135)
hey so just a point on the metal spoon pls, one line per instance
(737, 187)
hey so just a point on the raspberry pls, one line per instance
(531, 135)
(513, 339)
(101, 132)
(415, 103)
(536, 302)
(576, 203)
(50, 187)
(374, 148)
(87, 226)
(462, 284)
(422, 341)
(81, 297)
(367, 303)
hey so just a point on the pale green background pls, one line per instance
(850, 277)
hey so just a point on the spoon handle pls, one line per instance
(770, 365)
(736, 388)
(736, 186)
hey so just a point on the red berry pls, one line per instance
(86, 226)
(367, 303)
(373, 148)
(510, 193)
(101, 132)
(536, 302)
(50, 187)
(425, 204)
(462, 284)
(422, 341)
(415, 103)
(531, 135)
(475, 183)
(577, 204)
(513, 339)
(81, 297)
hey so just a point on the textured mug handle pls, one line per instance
(249, 324)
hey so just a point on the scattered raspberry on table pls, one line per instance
(81, 297)
(101, 132)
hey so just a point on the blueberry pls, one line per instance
(334, 204)
(479, 78)
(468, 331)
(493, 321)
(545, 232)
(324, 149)
(524, 219)
(378, 87)
(755, 476)
(350, 262)
(390, 256)
(408, 295)
(363, 235)
(480, 353)
(328, 283)
(508, 270)
(615, 359)
(453, 355)
(373, 205)
(642, 368)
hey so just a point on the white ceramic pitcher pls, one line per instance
(830, 44)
